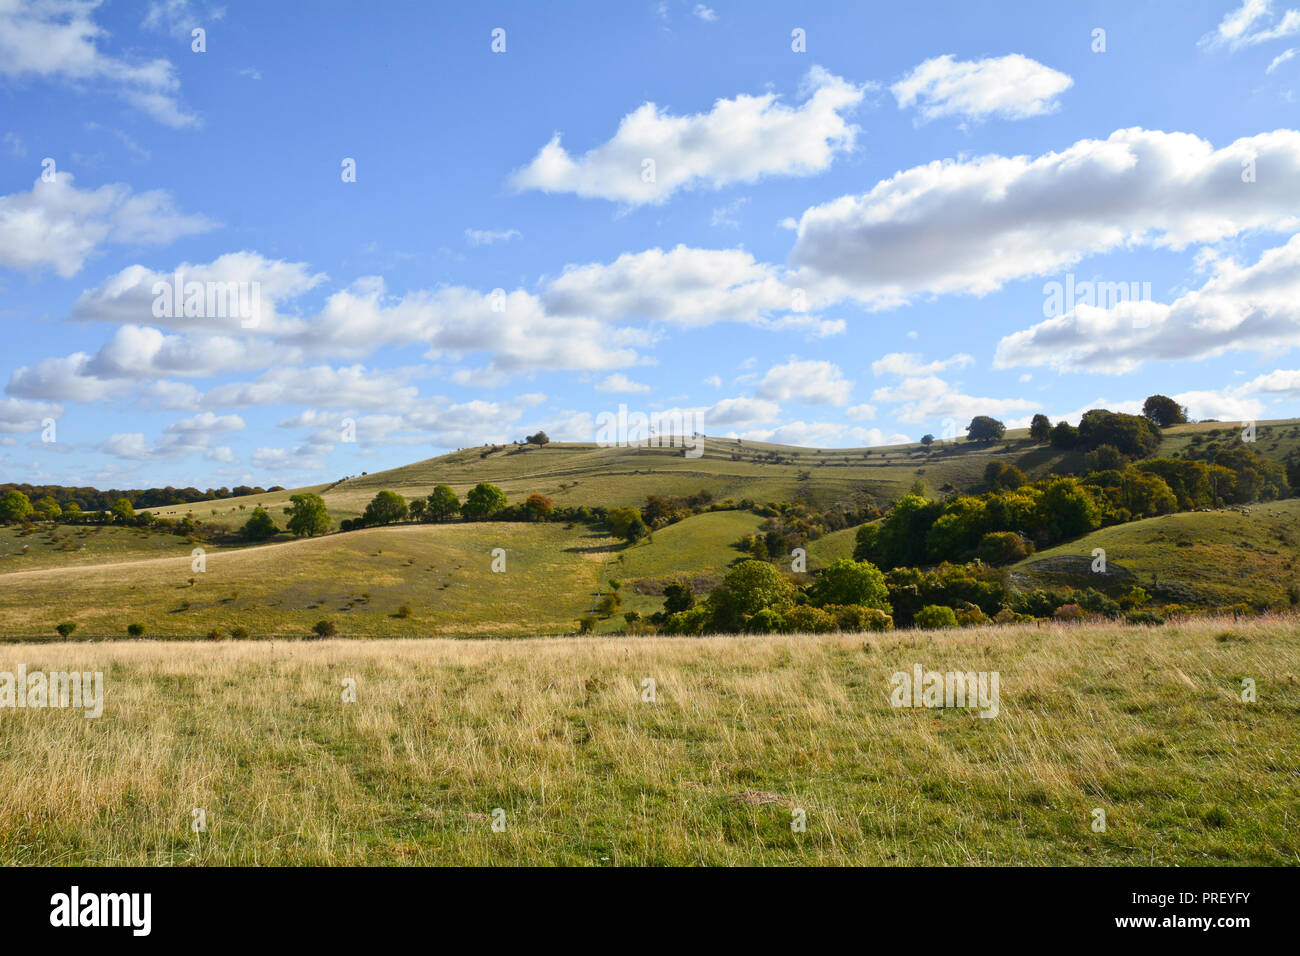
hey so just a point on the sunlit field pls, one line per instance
(576, 758)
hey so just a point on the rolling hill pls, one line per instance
(103, 579)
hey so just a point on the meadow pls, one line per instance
(1148, 725)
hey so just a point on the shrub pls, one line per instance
(851, 582)
(324, 629)
(1144, 617)
(971, 617)
(1005, 616)
(66, 628)
(805, 619)
(214, 634)
(135, 630)
(404, 611)
(693, 621)
(632, 616)
(608, 604)
(239, 633)
(856, 617)
(745, 590)
(586, 624)
(1068, 612)
(934, 616)
(1003, 547)
(260, 525)
(765, 621)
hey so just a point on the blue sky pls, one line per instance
(842, 245)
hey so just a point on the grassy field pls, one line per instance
(1225, 557)
(1145, 724)
(358, 580)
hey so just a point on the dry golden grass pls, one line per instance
(1147, 724)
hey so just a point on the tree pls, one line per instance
(1164, 411)
(539, 506)
(539, 439)
(627, 523)
(442, 504)
(260, 525)
(15, 506)
(678, 597)
(1065, 436)
(47, 509)
(983, 428)
(416, 508)
(1104, 458)
(852, 582)
(483, 502)
(72, 511)
(999, 476)
(1133, 435)
(66, 628)
(1040, 429)
(745, 590)
(385, 508)
(1068, 509)
(927, 440)
(308, 515)
(122, 510)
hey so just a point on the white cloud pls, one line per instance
(739, 140)
(352, 386)
(1244, 308)
(18, 416)
(59, 226)
(58, 41)
(970, 226)
(910, 364)
(810, 382)
(931, 399)
(179, 439)
(1246, 26)
(618, 382)
(1012, 87)
(1280, 59)
(683, 286)
(704, 13)
(860, 413)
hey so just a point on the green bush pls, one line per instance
(66, 628)
(324, 629)
(934, 616)
(855, 617)
(239, 633)
(765, 621)
(806, 619)
(135, 630)
(586, 624)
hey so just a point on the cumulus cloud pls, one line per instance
(910, 363)
(618, 382)
(58, 226)
(1011, 87)
(971, 225)
(932, 399)
(128, 296)
(18, 416)
(179, 439)
(684, 286)
(59, 41)
(740, 140)
(810, 382)
(1244, 308)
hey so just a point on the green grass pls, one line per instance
(357, 580)
(1218, 558)
(80, 546)
(1146, 724)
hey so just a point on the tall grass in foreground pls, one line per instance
(1147, 724)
